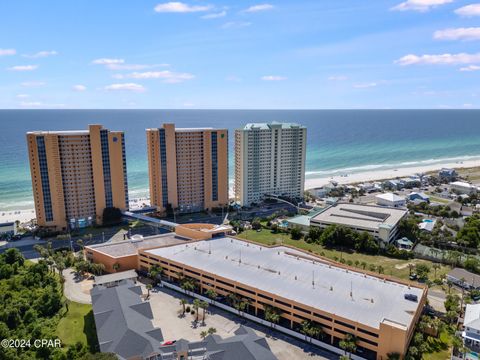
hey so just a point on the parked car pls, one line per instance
(411, 297)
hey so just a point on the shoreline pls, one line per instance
(377, 175)
(25, 215)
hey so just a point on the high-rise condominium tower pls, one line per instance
(269, 159)
(188, 168)
(76, 175)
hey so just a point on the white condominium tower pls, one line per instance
(269, 159)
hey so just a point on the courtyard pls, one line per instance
(167, 314)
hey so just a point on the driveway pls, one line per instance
(77, 289)
(167, 315)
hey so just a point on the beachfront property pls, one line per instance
(76, 175)
(462, 187)
(269, 159)
(390, 199)
(124, 327)
(188, 168)
(299, 287)
(447, 174)
(427, 225)
(381, 222)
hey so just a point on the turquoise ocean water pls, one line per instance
(338, 141)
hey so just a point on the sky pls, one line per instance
(288, 54)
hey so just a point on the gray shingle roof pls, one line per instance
(123, 321)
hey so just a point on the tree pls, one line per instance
(116, 267)
(149, 287)
(196, 306)
(256, 225)
(422, 271)
(111, 216)
(183, 302)
(204, 307)
(314, 233)
(272, 315)
(203, 334)
(349, 344)
(153, 273)
(211, 294)
(211, 331)
(435, 267)
(296, 233)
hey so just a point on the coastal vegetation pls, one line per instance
(33, 307)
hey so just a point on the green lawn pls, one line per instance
(78, 325)
(394, 267)
(442, 345)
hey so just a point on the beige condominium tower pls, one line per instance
(76, 175)
(269, 159)
(188, 168)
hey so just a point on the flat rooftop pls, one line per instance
(131, 247)
(363, 216)
(274, 270)
(117, 276)
(268, 126)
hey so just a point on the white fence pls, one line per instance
(262, 322)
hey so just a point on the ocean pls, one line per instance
(338, 141)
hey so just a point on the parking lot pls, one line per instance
(167, 313)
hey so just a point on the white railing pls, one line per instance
(266, 323)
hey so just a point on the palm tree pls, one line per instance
(211, 331)
(410, 268)
(435, 267)
(203, 334)
(153, 273)
(211, 294)
(204, 306)
(183, 302)
(149, 287)
(349, 344)
(187, 286)
(380, 269)
(116, 266)
(363, 265)
(196, 306)
(305, 328)
(272, 315)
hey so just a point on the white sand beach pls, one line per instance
(386, 174)
(14, 215)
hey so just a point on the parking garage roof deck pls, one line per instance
(289, 273)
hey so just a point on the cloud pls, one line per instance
(235, 24)
(469, 10)
(79, 88)
(23, 68)
(471, 33)
(120, 67)
(214, 15)
(33, 83)
(441, 59)
(39, 104)
(42, 54)
(23, 96)
(419, 5)
(107, 61)
(273, 78)
(179, 7)
(7, 52)
(337, 78)
(259, 7)
(125, 87)
(365, 85)
(470, 68)
(166, 75)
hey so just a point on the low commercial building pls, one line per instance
(464, 278)
(462, 187)
(381, 222)
(302, 221)
(115, 278)
(298, 287)
(122, 255)
(390, 199)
